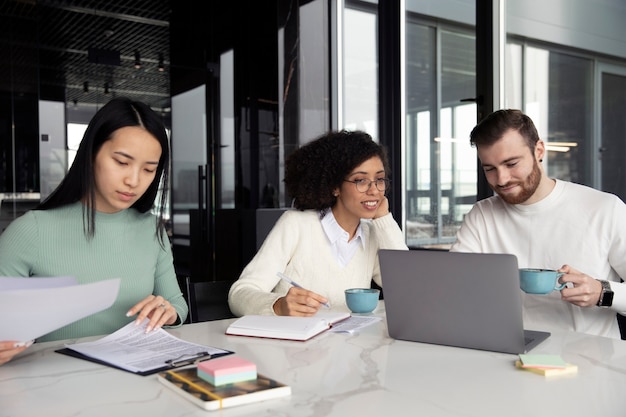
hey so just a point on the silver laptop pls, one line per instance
(469, 300)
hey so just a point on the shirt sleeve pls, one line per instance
(253, 292)
(388, 235)
(616, 257)
(166, 283)
(19, 246)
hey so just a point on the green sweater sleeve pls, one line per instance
(18, 247)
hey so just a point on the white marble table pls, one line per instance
(366, 374)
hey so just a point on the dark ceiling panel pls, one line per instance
(45, 49)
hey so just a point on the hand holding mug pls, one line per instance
(584, 290)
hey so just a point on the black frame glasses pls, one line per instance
(363, 184)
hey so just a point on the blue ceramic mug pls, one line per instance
(362, 300)
(540, 281)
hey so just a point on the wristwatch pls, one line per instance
(606, 298)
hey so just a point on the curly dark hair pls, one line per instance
(315, 170)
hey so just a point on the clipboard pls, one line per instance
(170, 364)
(134, 350)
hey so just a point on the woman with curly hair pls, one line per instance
(330, 243)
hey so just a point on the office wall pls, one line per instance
(454, 10)
(593, 25)
(52, 149)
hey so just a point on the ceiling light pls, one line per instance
(137, 60)
(161, 63)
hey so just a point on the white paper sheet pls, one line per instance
(354, 324)
(133, 349)
(11, 283)
(34, 306)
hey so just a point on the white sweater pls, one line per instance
(575, 225)
(298, 247)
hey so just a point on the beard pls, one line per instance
(527, 187)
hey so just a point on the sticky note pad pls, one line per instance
(569, 369)
(542, 361)
(227, 370)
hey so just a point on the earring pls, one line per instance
(541, 160)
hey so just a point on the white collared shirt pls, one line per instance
(342, 249)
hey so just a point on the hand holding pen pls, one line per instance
(298, 301)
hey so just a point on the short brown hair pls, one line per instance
(494, 126)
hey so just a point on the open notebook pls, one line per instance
(285, 327)
(470, 300)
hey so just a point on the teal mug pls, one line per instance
(362, 300)
(540, 281)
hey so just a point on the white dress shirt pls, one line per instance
(342, 249)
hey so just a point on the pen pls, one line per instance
(188, 359)
(295, 284)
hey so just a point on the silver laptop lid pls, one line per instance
(469, 300)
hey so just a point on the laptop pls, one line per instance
(468, 300)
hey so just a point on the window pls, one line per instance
(75, 133)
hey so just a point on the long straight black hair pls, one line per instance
(79, 184)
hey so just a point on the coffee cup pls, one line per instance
(540, 281)
(362, 300)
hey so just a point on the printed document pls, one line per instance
(132, 349)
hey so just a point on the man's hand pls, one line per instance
(586, 290)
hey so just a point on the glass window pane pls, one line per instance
(613, 130)
(226, 198)
(441, 176)
(313, 73)
(563, 114)
(421, 198)
(513, 76)
(75, 133)
(360, 77)
(457, 163)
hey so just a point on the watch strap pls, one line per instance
(606, 297)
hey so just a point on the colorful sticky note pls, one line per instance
(542, 361)
(550, 372)
(227, 370)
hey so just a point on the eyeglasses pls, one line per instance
(363, 185)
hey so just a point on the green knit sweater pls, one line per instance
(48, 243)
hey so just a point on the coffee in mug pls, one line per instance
(540, 281)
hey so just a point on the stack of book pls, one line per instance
(232, 384)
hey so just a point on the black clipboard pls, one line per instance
(171, 364)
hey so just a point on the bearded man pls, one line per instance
(549, 224)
